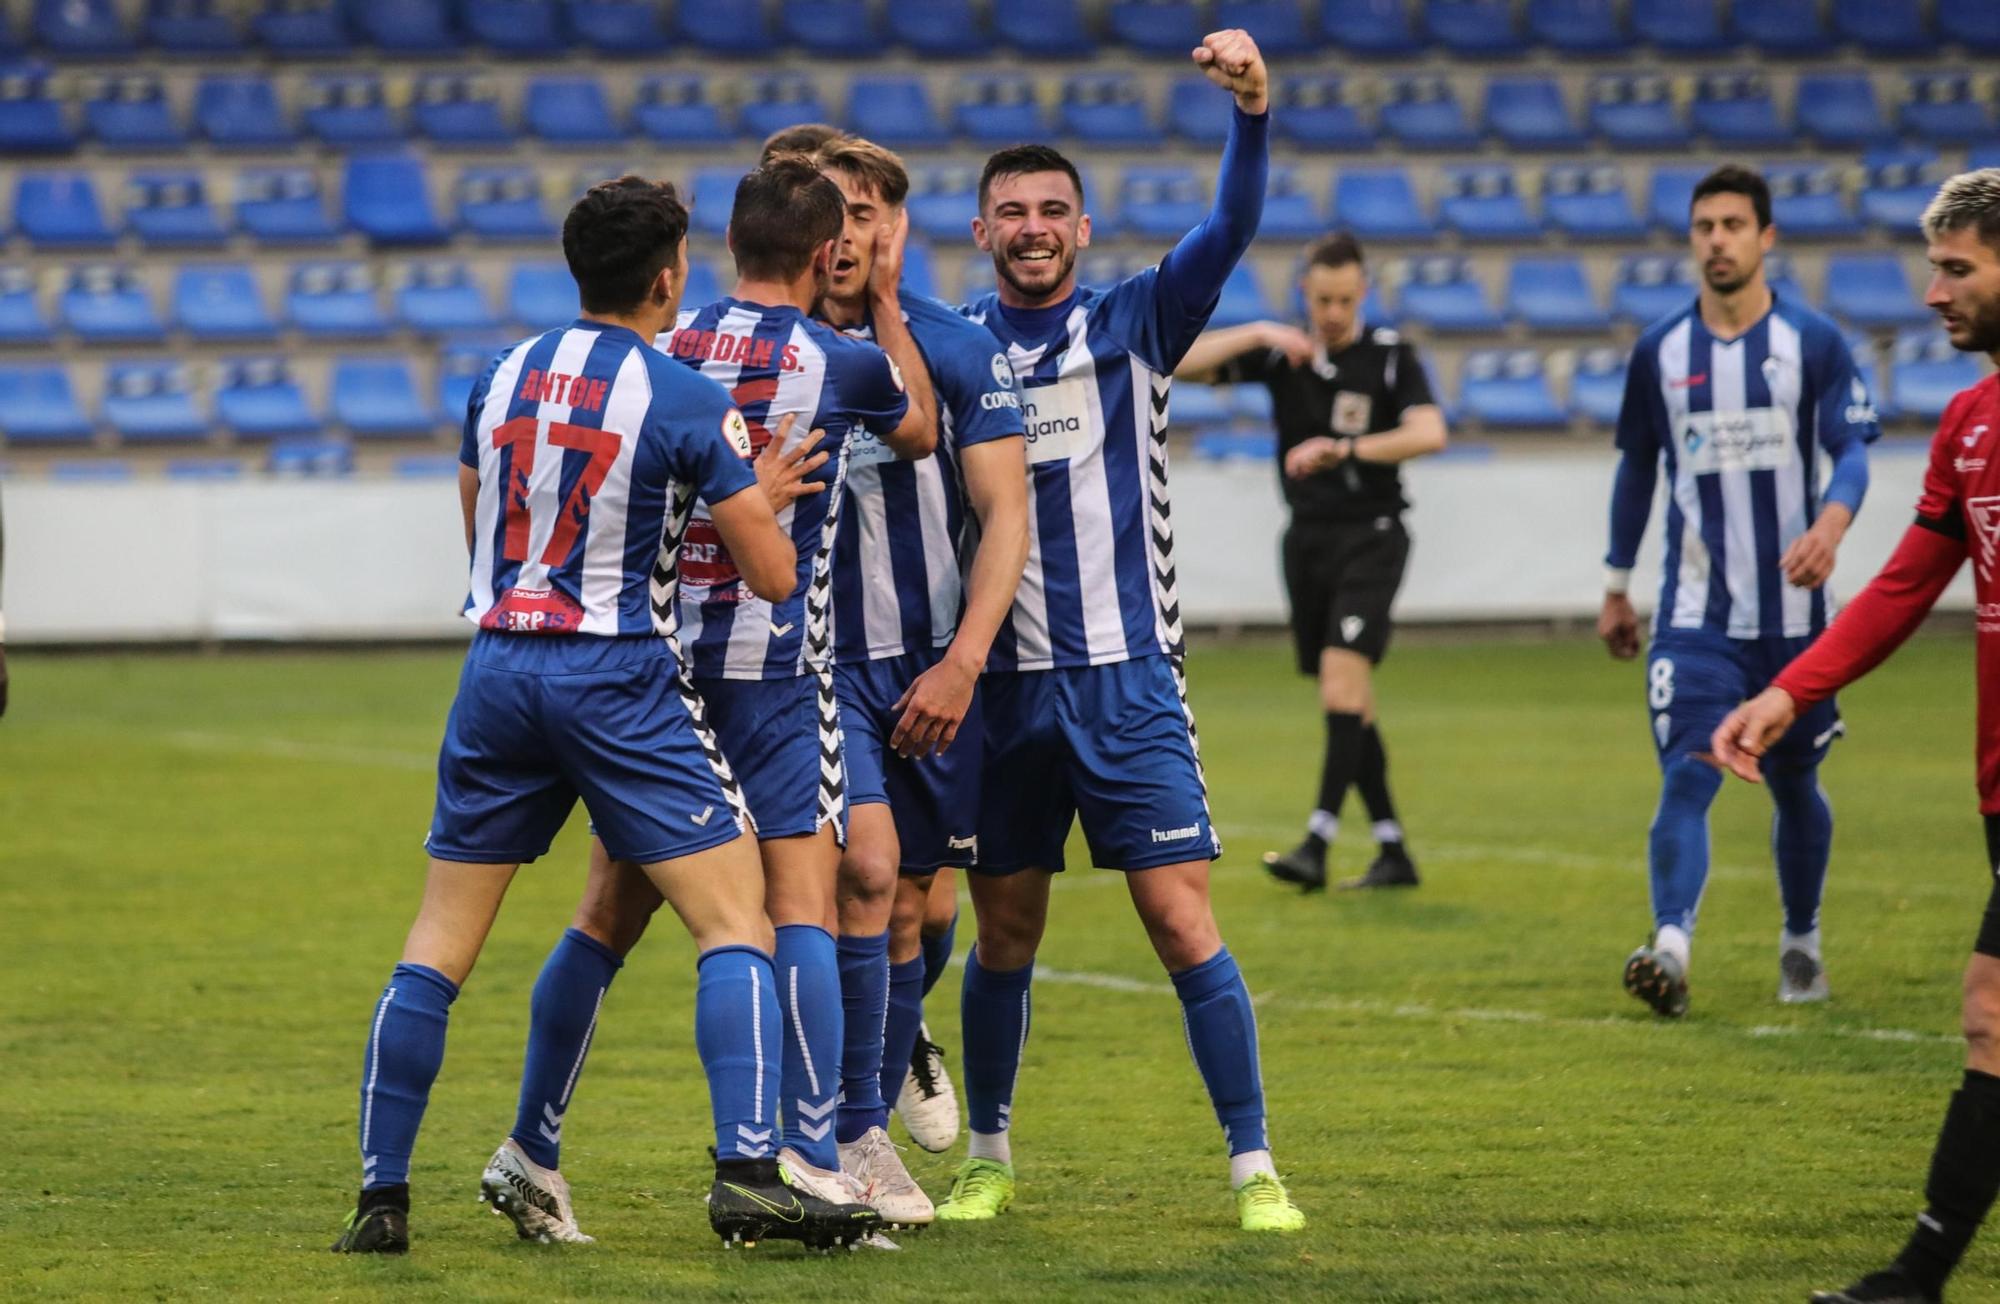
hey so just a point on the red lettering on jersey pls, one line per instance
(516, 439)
(705, 562)
(789, 360)
(760, 356)
(530, 383)
(561, 384)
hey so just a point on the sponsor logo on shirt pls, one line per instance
(1056, 418)
(1755, 439)
(1352, 412)
(1860, 408)
(992, 401)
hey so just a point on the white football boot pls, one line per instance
(927, 1104)
(892, 1192)
(536, 1198)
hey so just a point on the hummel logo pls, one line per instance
(1699, 378)
(701, 820)
(962, 844)
(1175, 835)
(779, 631)
(795, 1214)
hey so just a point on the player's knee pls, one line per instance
(616, 922)
(1981, 1013)
(868, 875)
(1008, 940)
(908, 914)
(1688, 782)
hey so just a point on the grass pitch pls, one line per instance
(207, 864)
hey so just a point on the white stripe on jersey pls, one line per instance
(545, 487)
(881, 613)
(1030, 617)
(1090, 508)
(1786, 380)
(625, 409)
(486, 510)
(1691, 585)
(1728, 391)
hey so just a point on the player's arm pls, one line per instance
(1640, 419)
(1237, 353)
(468, 500)
(1846, 424)
(917, 434)
(764, 554)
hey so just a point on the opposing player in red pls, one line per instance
(1958, 516)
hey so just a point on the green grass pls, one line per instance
(207, 864)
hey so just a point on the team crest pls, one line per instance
(1351, 412)
(1003, 375)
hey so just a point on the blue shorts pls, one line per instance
(1112, 744)
(782, 738)
(1694, 678)
(542, 720)
(934, 799)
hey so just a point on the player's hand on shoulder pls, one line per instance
(1310, 455)
(932, 708)
(1295, 344)
(782, 472)
(1232, 61)
(1618, 626)
(1745, 734)
(885, 278)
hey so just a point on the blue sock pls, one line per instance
(899, 1030)
(1678, 848)
(1801, 840)
(405, 1048)
(809, 994)
(737, 1035)
(864, 1000)
(1222, 1036)
(562, 1016)
(937, 953)
(993, 1009)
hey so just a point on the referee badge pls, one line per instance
(1351, 412)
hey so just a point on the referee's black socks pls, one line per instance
(1343, 760)
(1965, 1177)
(1372, 778)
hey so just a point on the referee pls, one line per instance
(1351, 405)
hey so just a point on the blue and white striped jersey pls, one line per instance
(774, 361)
(1741, 425)
(896, 564)
(591, 449)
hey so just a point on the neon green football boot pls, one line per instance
(983, 1189)
(1263, 1206)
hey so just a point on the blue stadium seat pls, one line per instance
(1195, 406)
(704, 287)
(503, 204)
(459, 369)
(1872, 290)
(442, 299)
(1371, 26)
(151, 402)
(1974, 24)
(193, 27)
(108, 305)
(302, 29)
(1884, 29)
(1047, 29)
(1278, 26)
(131, 113)
(1944, 107)
(1257, 447)
(1926, 373)
(1507, 388)
(1553, 294)
(221, 301)
(89, 29)
(1839, 110)
(459, 112)
(283, 206)
(736, 31)
(894, 111)
(1597, 386)
(998, 110)
(1897, 190)
(1423, 112)
(1868, 361)
(1482, 203)
(1169, 27)
(1737, 109)
(711, 194)
(842, 29)
(1681, 26)
(1289, 212)
(1242, 298)
(943, 201)
(1671, 195)
(205, 468)
(388, 200)
(60, 210)
(1479, 29)
(778, 101)
(1983, 156)
(320, 458)
(172, 209)
(939, 29)
(1442, 294)
(1379, 204)
(522, 28)
(1649, 286)
(1528, 113)
(1253, 402)
(1590, 203)
(919, 270)
(32, 121)
(676, 111)
(1779, 275)
(94, 470)
(426, 466)
(569, 111)
(37, 405)
(1782, 27)
(1196, 113)
(1579, 26)
(1161, 202)
(258, 399)
(625, 29)
(1807, 202)
(334, 299)
(540, 296)
(1636, 113)
(350, 109)
(1314, 113)
(241, 113)
(407, 26)
(1106, 109)
(21, 318)
(377, 398)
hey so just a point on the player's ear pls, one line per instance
(1083, 232)
(1767, 237)
(980, 236)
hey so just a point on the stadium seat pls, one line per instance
(241, 113)
(1423, 112)
(1193, 407)
(302, 29)
(1482, 203)
(1650, 286)
(1161, 202)
(346, 110)
(1671, 196)
(21, 318)
(943, 201)
(95, 470)
(1046, 29)
(919, 272)
(520, 28)
(172, 209)
(1553, 294)
(90, 29)
(1289, 212)
(1169, 27)
(1782, 27)
(1196, 113)
(1442, 294)
(151, 402)
(1807, 202)
(459, 369)
(1883, 29)
(677, 111)
(625, 29)
(503, 204)
(1779, 275)
(998, 110)
(1253, 402)
(710, 196)
(1681, 26)
(1897, 191)
(778, 101)
(837, 29)
(1106, 109)
(894, 111)
(407, 26)
(258, 399)
(1926, 373)
(1636, 113)
(569, 111)
(1314, 113)
(1383, 27)
(1944, 107)
(1974, 24)
(205, 468)
(1579, 26)
(37, 405)
(1839, 110)
(1278, 26)
(735, 31)
(1477, 29)
(1528, 113)
(197, 27)
(1379, 204)
(1983, 156)
(334, 299)
(426, 466)
(939, 29)
(1872, 290)
(442, 299)
(388, 200)
(31, 121)
(131, 113)
(458, 112)
(283, 206)
(377, 398)
(1257, 447)
(541, 296)
(221, 301)
(1242, 298)
(318, 458)
(108, 305)
(1597, 386)
(60, 210)
(1737, 109)
(1508, 388)
(1590, 203)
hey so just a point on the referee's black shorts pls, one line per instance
(1341, 578)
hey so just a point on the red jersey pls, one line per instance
(1958, 516)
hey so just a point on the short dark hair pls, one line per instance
(801, 139)
(1735, 179)
(1336, 249)
(619, 237)
(1020, 160)
(785, 210)
(864, 161)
